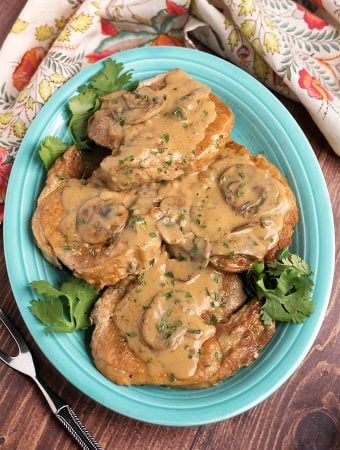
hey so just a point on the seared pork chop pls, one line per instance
(237, 211)
(165, 337)
(170, 125)
(93, 231)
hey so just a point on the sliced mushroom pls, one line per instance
(249, 189)
(164, 322)
(173, 224)
(98, 220)
(191, 257)
(242, 188)
(131, 108)
(233, 263)
(167, 321)
(232, 297)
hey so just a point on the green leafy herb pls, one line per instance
(138, 220)
(194, 331)
(132, 334)
(285, 287)
(65, 309)
(109, 79)
(50, 149)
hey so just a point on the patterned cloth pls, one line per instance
(293, 50)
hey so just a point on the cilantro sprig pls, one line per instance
(65, 309)
(285, 287)
(51, 147)
(109, 79)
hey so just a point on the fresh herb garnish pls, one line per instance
(51, 147)
(285, 287)
(65, 309)
(109, 79)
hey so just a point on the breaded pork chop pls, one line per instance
(165, 337)
(90, 229)
(237, 211)
(170, 125)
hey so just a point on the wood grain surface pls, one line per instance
(303, 414)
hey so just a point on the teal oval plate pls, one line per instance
(264, 126)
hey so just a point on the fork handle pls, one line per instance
(67, 417)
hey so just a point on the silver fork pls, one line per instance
(23, 363)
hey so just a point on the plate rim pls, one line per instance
(172, 54)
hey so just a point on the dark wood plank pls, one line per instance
(303, 414)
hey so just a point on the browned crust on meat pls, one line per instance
(206, 150)
(217, 134)
(69, 165)
(104, 267)
(238, 341)
(240, 263)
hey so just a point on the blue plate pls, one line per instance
(264, 126)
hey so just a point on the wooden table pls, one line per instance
(303, 414)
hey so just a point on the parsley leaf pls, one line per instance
(65, 309)
(109, 79)
(285, 287)
(51, 147)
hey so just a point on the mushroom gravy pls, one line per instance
(161, 318)
(233, 207)
(154, 128)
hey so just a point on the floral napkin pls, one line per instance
(293, 48)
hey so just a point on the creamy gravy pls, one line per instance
(96, 218)
(236, 206)
(156, 128)
(160, 318)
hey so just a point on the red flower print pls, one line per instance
(318, 3)
(96, 56)
(164, 39)
(27, 66)
(5, 170)
(313, 86)
(312, 20)
(108, 28)
(1, 212)
(174, 9)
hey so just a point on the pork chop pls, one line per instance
(236, 212)
(170, 125)
(93, 231)
(156, 330)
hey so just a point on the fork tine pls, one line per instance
(14, 333)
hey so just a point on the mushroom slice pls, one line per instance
(174, 220)
(249, 189)
(231, 297)
(131, 108)
(98, 220)
(191, 257)
(167, 320)
(233, 263)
